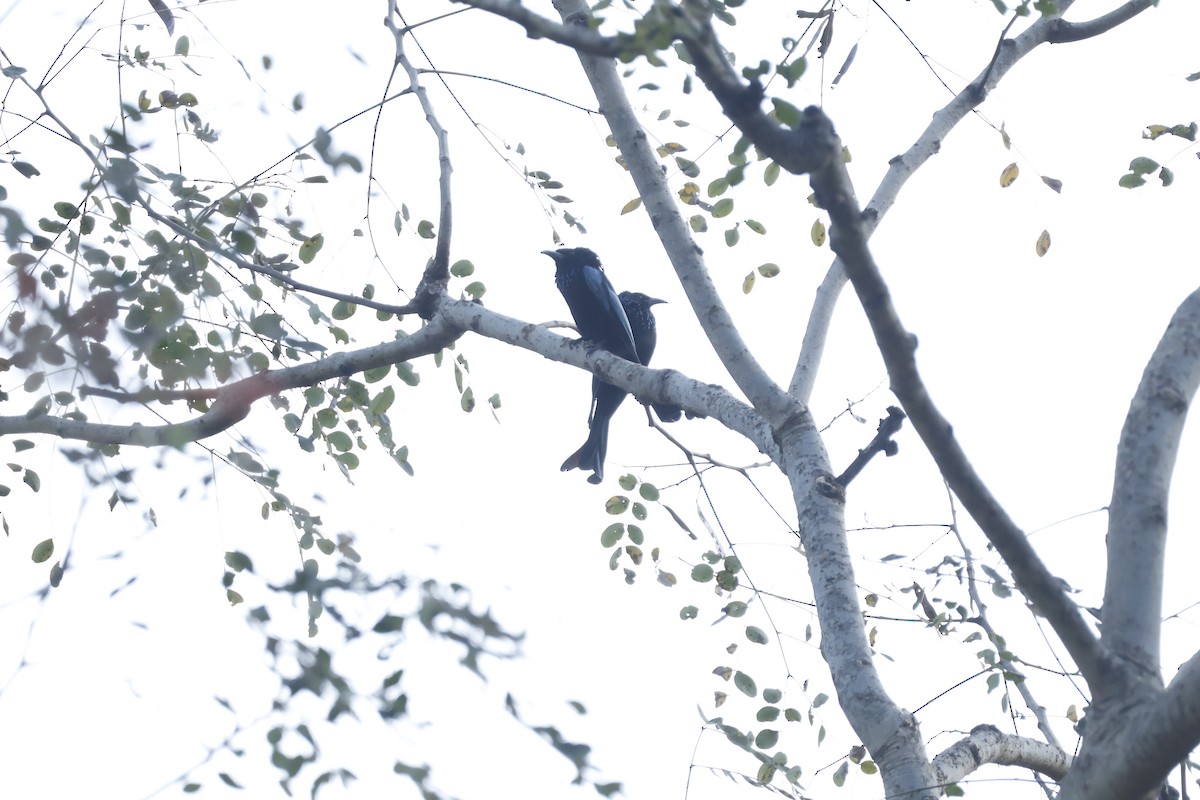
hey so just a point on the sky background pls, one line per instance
(1032, 359)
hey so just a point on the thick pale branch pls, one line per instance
(1137, 527)
(889, 732)
(1062, 31)
(1176, 717)
(987, 745)
(450, 320)
(849, 240)
(658, 385)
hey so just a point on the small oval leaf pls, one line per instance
(42, 551)
(1008, 175)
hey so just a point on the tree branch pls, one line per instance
(987, 745)
(848, 239)
(927, 145)
(581, 39)
(883, 442)
(1137, 514)
(437, 275)
(451, 319)
(890, 733)
(1062, 31)
(687, 258)
(658, 385)
(234, 400)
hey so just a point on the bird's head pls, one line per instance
(639, 299)
(573, 257)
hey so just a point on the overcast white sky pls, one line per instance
(1033, 360)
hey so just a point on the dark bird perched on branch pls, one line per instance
(606, 398)
(598, 313)
(645, 336)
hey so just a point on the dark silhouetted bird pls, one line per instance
(606, 398)
(645, 336)
(594, 304)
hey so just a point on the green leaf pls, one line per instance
(340, 441)
(648, 491)
(771, 173)
(66, 210)
(406, 374)
(343, 310)
(617, 504)
(839, 775)
(766, 739)
(182, 46)
(311, 246)
(756, 634)
(381, 402)
(314, 396)
(612, 534)
(425, 229)
(767, 714)
(461, 269)
(1142, 165)
(820, 700)
(735, 609)
(687, 167)
(43, 550)
(268, 325)
(786, 113)
(26, 169)
(745, 684)
(723, 207)
(702, 573)
(689, 612)
(32, 480)
(768, 270)
(772, 695)
(238, 561)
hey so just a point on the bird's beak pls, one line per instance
(552, 253)
(653, 301)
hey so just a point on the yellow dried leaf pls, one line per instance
(1009, 175)
(632, 205)
(1043, 243)
(748, 283)
(818, 233)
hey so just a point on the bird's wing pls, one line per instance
(600, 288)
